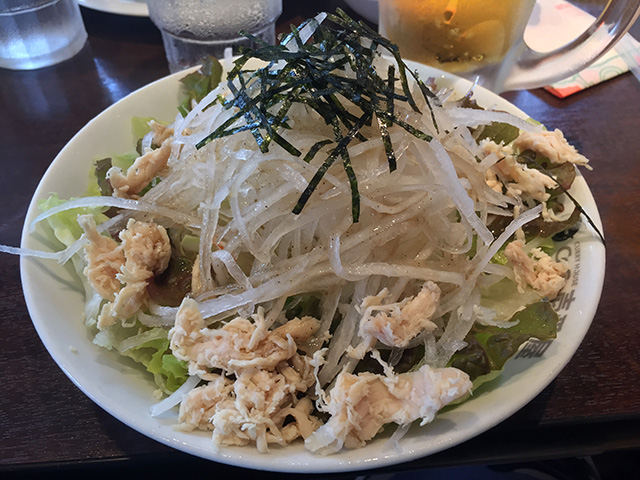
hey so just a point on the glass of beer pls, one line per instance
(483, 39)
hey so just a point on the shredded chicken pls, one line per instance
(552, 145)
(161, 132)
(360, 405)
(125, 304)
(104, 258)
(520, 182)
(269, 375)
(395, 324)
(239, 344)
(516, 177)
(260, 404)
(146, 248)
(538, 270)
(199, 405)
(253, 408)
(145, 168)
(120, 271)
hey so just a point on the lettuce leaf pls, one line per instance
(506, 300)
(140, 126)
(64, 224)
(489, 348)
(168, 372)
(198, 84)
(124, 160)
(303, 305)
(498, 132)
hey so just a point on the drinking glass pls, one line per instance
(39, 33)
(483, 40)
(193, 29)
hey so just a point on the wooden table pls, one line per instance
(48, 425)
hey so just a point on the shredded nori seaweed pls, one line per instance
(337, 67)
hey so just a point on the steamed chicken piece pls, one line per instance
(538, 270)
(515, 176)
(520, 180)
(104, 257)
(395, 324)
(146, 167)
(120, 271)
(199, 405)
(147, 250)
(253, 407)
(125, 304)
(161, 132)
(239, 344)
(360, 405)
(552, 145)
(269, 377)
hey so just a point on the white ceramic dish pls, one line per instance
(125, 392)
(135, 8)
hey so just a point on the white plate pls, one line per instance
(135, 8)
(126, 393)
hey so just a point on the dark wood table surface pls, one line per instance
(47, 424)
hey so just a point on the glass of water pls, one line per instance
(39, 33)
(194, 29)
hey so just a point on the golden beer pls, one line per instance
(454, 35)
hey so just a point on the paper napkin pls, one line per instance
(555, 23)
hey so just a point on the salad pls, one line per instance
(321, 244)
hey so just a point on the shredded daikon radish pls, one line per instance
(175, 398)
(29, 252)
(127, 204)
(141, 338)
(473, 117)
(523, 219)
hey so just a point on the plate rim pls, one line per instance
(332, 464)
(119, 7)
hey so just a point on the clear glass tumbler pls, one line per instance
(39, 33)
(193, 29)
